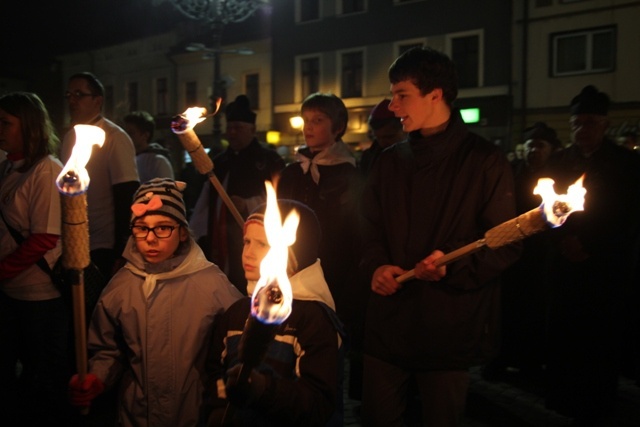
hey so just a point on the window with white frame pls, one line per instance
(583, 52)
(307, 10)
(351, 74)
(466, 51)
(309, 75)
(347, 7)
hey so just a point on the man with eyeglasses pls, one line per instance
(592, 259)
(112, 169)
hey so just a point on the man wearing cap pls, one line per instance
(242, 169)
(385, 129)
(592, 257)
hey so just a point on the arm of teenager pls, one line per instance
(497, 206)
(310, 399)
(28, 253)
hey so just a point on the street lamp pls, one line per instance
(218, 13)
(297, 123)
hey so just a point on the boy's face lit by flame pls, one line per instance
(272, 297)
(254, 250)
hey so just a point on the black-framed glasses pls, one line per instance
(161, 231)
(77, 94)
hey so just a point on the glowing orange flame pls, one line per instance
(558, 207)
(272, 297)
(74, 178)
(191, 117)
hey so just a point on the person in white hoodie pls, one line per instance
(297, 381)
(151, 330)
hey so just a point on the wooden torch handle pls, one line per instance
(446, 258)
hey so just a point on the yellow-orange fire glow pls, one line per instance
(195, 115)
(558, 207)
(272, 297)
(86, 137)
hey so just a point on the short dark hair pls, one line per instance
(330, 105)
(428, 69)
(97, 89)
(142, 120)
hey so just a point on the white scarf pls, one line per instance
(307, 285)
(194, 261)
(336, 154)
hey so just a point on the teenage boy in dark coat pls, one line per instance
(441, 189)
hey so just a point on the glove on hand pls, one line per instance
(82, 393)
(245, 392)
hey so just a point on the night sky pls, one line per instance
(34, 31)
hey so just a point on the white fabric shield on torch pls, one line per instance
(72, 184)
(553, 212)
(182, 125)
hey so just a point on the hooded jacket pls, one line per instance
(154, 348)
(301, 363)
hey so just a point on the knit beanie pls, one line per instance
(308, 234)
(590, 101)
(381, 111)
(240, 111)
(540, 130)
(381, 115)
(160, 196)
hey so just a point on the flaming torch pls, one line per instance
(272, 298)
(72, 183)
(552, 213)
(182, 125)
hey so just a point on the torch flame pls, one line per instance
(558, 207)
(74, 178)
(191, 117)
(272, 297)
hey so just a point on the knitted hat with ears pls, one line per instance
(160, 196)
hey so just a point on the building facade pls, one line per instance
(560, 46)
